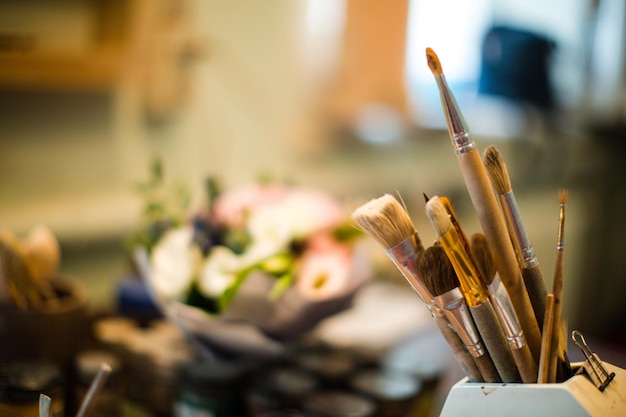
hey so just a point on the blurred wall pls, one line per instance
(255, 106)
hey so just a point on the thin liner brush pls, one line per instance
(484, 201)
(386, 220)
(440, 279)
(526, 364)
(557, 348)
(531, 272)
(472, 287)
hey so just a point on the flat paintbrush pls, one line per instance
(440, 279)
(531, 271)
(526, 364)
(475, 293)
(387, 221)
(486, 205)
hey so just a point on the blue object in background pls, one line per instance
(515, 64)
(134, 301)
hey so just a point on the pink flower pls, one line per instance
(304, 209)
(325, 270)
(233, 207)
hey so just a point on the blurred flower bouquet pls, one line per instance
(253, 266)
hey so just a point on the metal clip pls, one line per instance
(593, 365)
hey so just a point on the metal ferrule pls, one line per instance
(404, 256)
(463, 143)
(453, 305)
(435, 310)
(506, 314)
(560, 243)
(519, 237)
(457, 127)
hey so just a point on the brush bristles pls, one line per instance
(563, 196)
(437, 271)
(438, 215)
(483, 256)
(385, 219)
(433, 62)
(497, 170)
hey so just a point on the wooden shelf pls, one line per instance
(89, 71)
(144, 42)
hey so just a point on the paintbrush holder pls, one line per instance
(55, 334)
(578, 396)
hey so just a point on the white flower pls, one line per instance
(297, 215)
(219, 271)
(271, 230)
(308, 211)
(174, 262)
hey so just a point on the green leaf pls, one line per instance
(347, 232)
(197, 299)
(282, 284)
(277, 264)
(229, 293)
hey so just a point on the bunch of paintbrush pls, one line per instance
(515, 262)
(387, 221)
(487, 208)
(503, 306)
(472, 286)
(553, 363)
(441, 280)
(529, 265)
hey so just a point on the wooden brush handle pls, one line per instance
(487, 368)
(460, 352)
(526, 364)
(489, 328)
(555, 349)
(537, 291)
(543, 376)
(494, 228)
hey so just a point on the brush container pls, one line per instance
(578, 396)
(54, 334)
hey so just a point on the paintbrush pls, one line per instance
(387, 221)
(543, 376)
(440, 279)
(486, 205)
(527, 260)
(557, 346)
(475, 293)
(453, 219)
(501, 301)
(94, 389)
(44, 405)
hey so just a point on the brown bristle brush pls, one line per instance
(441, 280)
(531, 271)
(505, 311)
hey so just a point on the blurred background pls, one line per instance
(330, 93)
